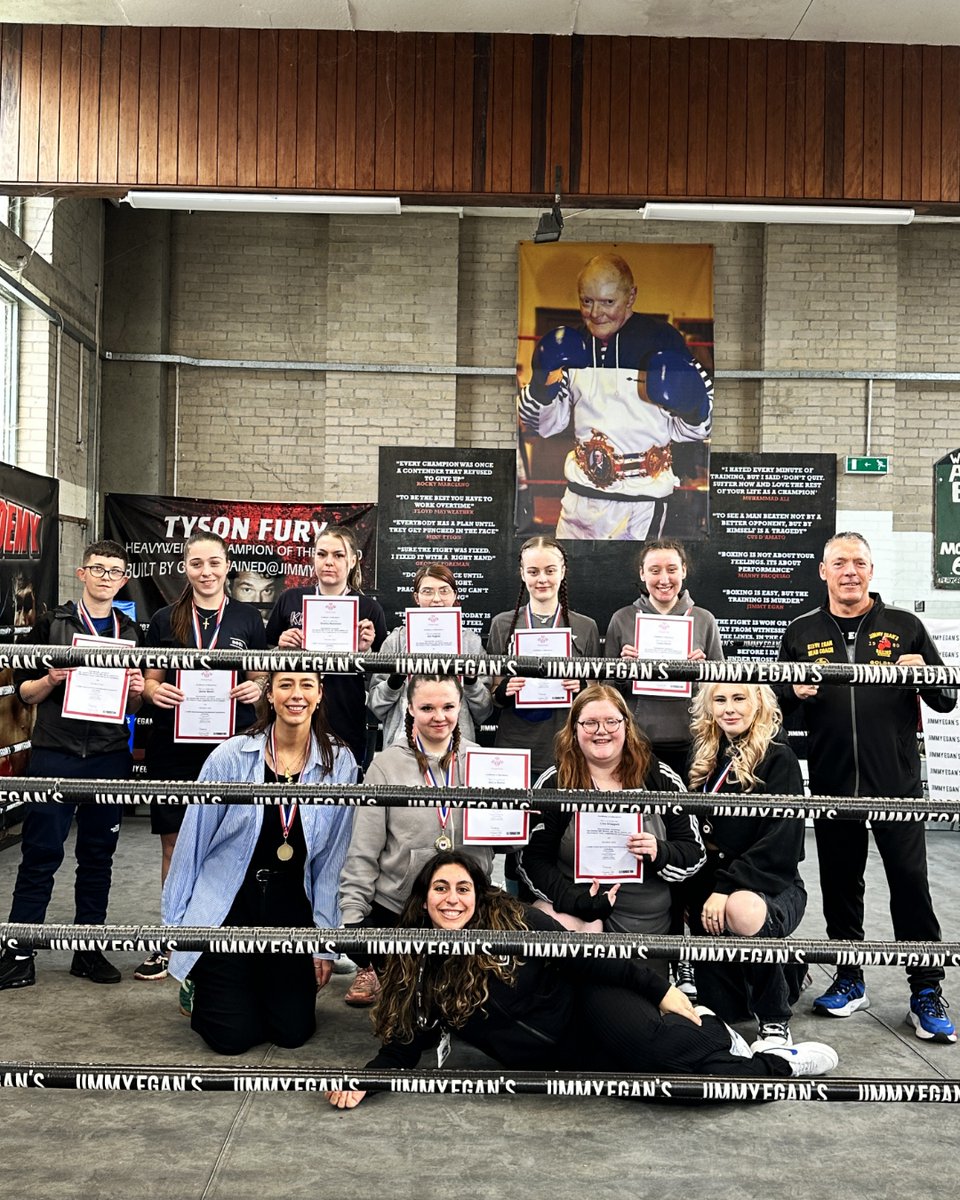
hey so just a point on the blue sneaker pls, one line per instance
(928, 1016)
(842, 998)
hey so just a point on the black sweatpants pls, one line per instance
(618, 1030)
(842, 851)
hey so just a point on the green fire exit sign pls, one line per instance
(868, 466)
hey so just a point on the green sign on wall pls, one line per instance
(946, 521)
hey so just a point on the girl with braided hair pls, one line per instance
(390, 845)
(542, 602)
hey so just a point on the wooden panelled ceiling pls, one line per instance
(474, 117)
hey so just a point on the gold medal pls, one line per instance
(443, 842)
(285, 852)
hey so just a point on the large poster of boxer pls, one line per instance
(29, 566)
(271, 544)
(614, 369)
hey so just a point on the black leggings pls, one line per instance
(618, 1030)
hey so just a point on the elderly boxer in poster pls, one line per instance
(632, 388)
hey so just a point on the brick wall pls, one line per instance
(441, 290)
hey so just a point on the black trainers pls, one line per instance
(90, 964)
(16, 972)
(154, 966)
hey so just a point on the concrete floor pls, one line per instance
(93, 1145)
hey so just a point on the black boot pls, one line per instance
(16, 972)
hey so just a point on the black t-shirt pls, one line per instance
(240, 629)
(344, 696)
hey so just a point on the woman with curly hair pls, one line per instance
(601, 748)
(390, 845)
(750, 886)
(539, 1013)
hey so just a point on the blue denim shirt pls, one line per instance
(216, 843)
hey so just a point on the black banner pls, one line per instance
(770, 515)
(29, 567)
(454, 507)
(271, 543)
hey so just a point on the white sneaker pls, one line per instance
(771, 1036)
(807, 1058)
(344, 965)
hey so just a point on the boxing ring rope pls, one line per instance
(587, 670)
(702, 1088)
(684, 1088)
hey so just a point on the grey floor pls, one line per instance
(213, 1145)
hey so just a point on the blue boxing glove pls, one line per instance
(558, 350)
(679, 384)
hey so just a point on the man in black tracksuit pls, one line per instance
(863, 742)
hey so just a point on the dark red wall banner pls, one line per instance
(29, 567)
(271, 543)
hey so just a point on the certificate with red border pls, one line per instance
(663, 638)
(97, 693)
(331, 623)
(208, 712)
(543, 643)
(601, 847)
(502, 769)
(434, 630)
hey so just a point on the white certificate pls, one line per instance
(543, 643)
(434, 630)
(663, 638)
(601, 847)
(331, 623)
(97, 693)
(506, 769)
(208, 711)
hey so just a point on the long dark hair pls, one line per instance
(412, 684)
(181, 612)
(459, 985)
(572, 769)
(326, 739)
(541, 542)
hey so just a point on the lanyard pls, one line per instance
(87, 621)
(722, 778)
(443, 810)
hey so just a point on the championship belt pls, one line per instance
(603, 466)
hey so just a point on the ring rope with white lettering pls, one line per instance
(609, 670)
(561, 944)
(151, 1077)
(56, 790)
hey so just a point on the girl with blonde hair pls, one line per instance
(750, 886)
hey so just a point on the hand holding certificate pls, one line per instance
(433, 630)
(601, 847)
(97, 693)
(660, 638)
(208, 711)
(331, 623)
(506, 769)
(544, 643)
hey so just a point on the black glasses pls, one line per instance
(99, 572)
(610, 724)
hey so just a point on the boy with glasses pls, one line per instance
(67, 747)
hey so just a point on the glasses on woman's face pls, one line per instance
(99, 572)
(443, 592)
(610, 724)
